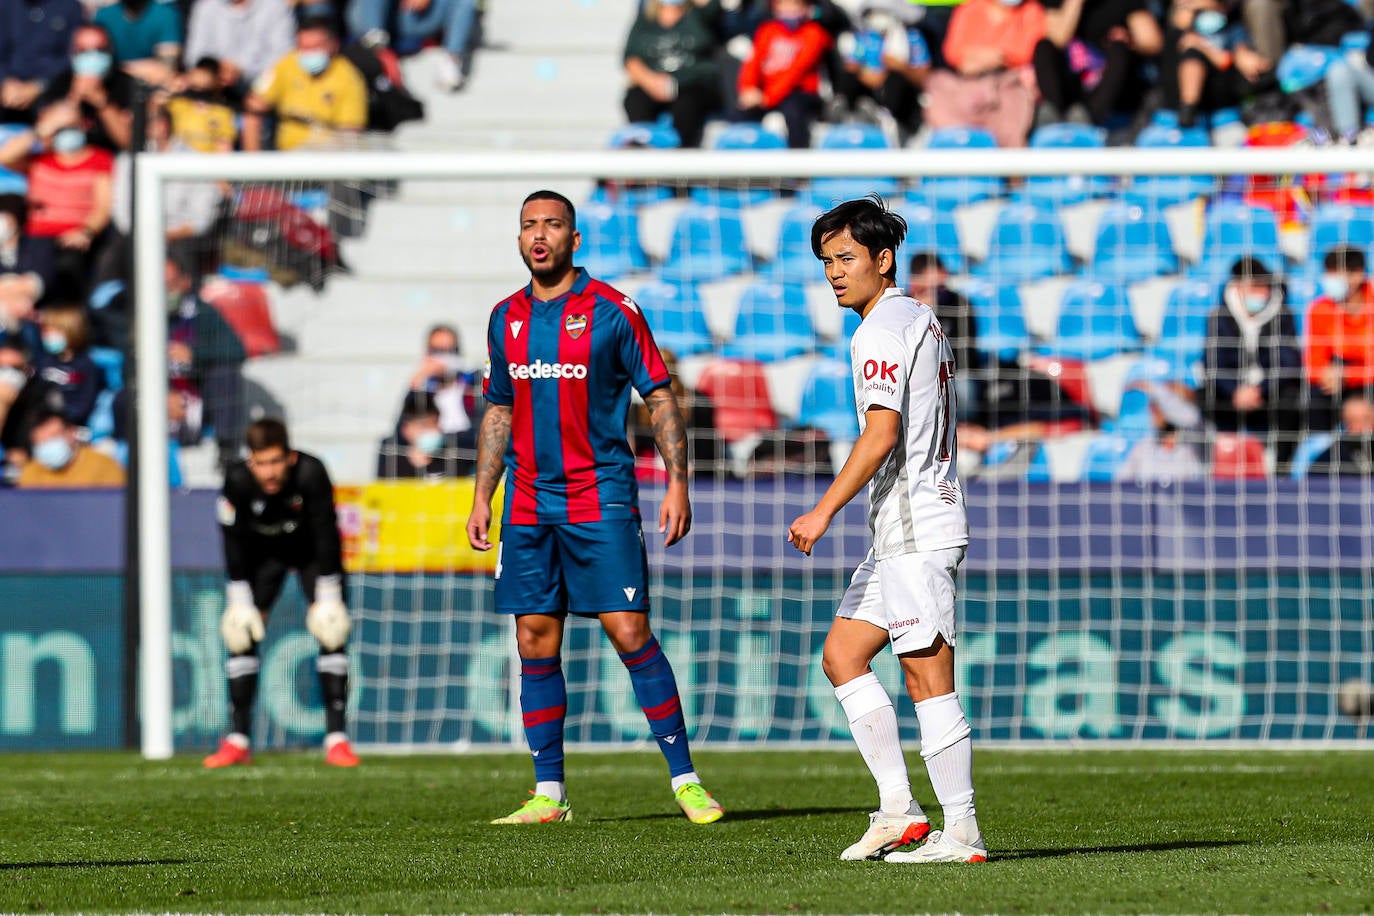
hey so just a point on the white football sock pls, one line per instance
(555, 790)
(947, 748)
(873, 723)
(684, 779)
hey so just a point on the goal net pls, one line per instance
(1154, 557)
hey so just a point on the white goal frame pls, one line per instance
(154, 170)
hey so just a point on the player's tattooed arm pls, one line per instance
(670, 432)
(492, 441)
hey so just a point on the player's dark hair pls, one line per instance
(869, 221)
(17, 206)
(554, 195)
(923, 261)
(419, 405)
(443, 329)
(268, 432)
(1346, 258)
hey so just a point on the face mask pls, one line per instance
(453, 363)
(792, 22)
(313, 62)
(1335, 286)
(69, 140)
(54, 454)
(55, 343)
(1207, 22)
(7, 230)
(879, 21)
(12, 377)
(92, 63)
(430, 441)
(1256, 302)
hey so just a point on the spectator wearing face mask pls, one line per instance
(103, 93)
(66, 363)
(885, 65)
(34, 38)
(1252, 375)
(783, 73)
(1352, 449)
(59, 460)
(1340, 334)
(420, 450)
(316, 95)
(1208, 61)
(145, 36)
(23, 395)
(26, 264)
(442, 374)
(671, 66)
(1171, 453)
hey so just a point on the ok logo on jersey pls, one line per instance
(887, 370)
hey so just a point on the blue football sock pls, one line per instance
(656, 690)
(544, 703)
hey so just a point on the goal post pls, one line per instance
(1097, 610)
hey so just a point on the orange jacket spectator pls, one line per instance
(785, 61)
(980, 29)
(1335, 332)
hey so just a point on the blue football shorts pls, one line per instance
(588, 568)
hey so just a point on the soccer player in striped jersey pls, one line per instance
(902, 594)
(562, 355)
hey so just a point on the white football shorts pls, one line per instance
(911, 596)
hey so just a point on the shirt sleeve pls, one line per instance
(638, 352)
(168, 30)
(352, 113)
(318, 492)
(232, 526)
(496, 384)
(269, 85)
(883, 363)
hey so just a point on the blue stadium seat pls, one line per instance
(839, 350)
(1094, 322)
(740, 138)
(737, 137)
(773, 324)
(1334, 225)
(1183, 333)
(610, 241)
(932, 229)
(111, 362)
(1104, 456)
(707, 244)
(650, 134)
(947, 193)
(676, 316)
(1062, 190)
(1133, 415)
(1234, 231)
(794, 262)
(1312, 447)
(826, 192)
(1027, 244)
(1133, 244)
(827, 401)
(12, 182)
(999, 319)
(1154, 191)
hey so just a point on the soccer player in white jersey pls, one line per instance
(903, 592)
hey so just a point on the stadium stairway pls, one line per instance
(547, 78)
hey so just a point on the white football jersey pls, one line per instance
(903, 362)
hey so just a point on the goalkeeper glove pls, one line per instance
(241, 626)
(327, 620)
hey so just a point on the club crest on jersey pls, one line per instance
(575, 325)
(297, 503)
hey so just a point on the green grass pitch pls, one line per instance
(1250, 831)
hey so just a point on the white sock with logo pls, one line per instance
(873, 723)
(947, 748)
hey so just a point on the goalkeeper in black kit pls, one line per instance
(277, 514)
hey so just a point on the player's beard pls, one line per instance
(551, 270)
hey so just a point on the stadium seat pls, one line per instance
(794, 262)
(1334, 225)
(1027, 244)
(1062, 190)
(997, 315)
(1236, 456)
(738, 390)
(1157, 191)
(610, 241)
(826, 192)
(1183, 333)
(1312, 447)
(948, 193)
(1094, 322)
(707, 244)
(1235, 231)
(12, 182)
(648, 134)
(931, 229)
(739, 138)
(111, 362)
(245, 308)
(1133, 244)
(1104, 456)
(1133, 416)
(827, 401)
(675, 316)
(772, 324)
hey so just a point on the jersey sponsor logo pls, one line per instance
(885, 369)
(541, 369)
(515, 327)
(575, 325)
(629, 593)
(225, 512)
(903, 624)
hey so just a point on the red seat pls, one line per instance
(244, 306)
(1238, 457)
(738, 390)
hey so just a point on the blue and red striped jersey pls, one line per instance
(565, 368)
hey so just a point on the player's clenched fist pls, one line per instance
(807, 530)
